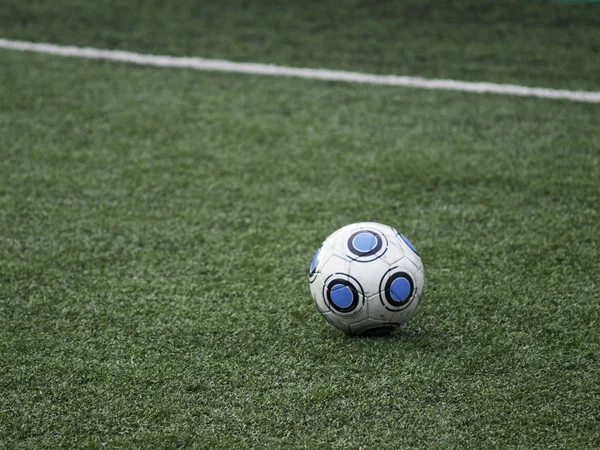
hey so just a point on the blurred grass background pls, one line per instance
(512, 41)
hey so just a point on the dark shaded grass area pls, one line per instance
(536, 43)
(157, 227)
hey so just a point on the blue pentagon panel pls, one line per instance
(341, 296)
(400, 289)
(313, 264)
(365, 242)
(410, 244)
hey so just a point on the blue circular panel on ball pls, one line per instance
(365, 242)
(313, 264)
(400, 289)
(410, 244)
(341, 296)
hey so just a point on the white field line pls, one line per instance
(317, 74)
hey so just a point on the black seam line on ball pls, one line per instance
(358, 260)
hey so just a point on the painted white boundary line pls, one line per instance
(317, 74)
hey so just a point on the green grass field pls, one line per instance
(156, 228)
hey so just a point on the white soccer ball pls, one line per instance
(367, 278)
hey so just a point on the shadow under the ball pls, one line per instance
(403, 333)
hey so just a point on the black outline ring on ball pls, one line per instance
(388, 287)
(385, 296)
(359, 253)
(355, 295)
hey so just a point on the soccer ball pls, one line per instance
(366, 279)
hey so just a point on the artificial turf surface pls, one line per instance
(532, 42)
(156, 228)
